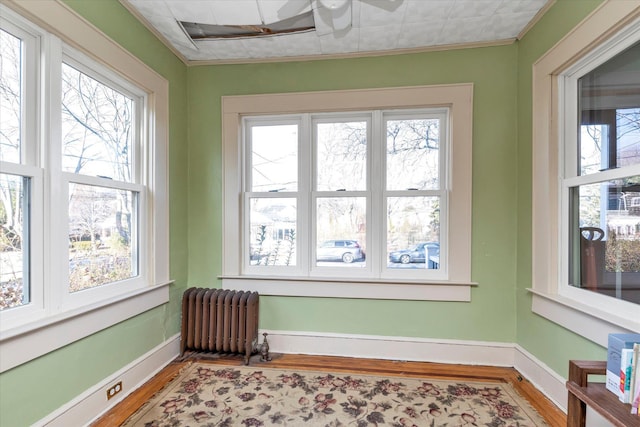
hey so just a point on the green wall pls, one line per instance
(35, 389)
(550, 343)
(500, 309)
(491, 314)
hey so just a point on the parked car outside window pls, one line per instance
(416, 253)
(340, 250)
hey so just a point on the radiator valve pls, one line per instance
(264, 349)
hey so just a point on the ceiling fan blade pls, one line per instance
(332, 15)
(293, 8)
(342, 17)
(334, 4)
(385, 5)
(388, 5)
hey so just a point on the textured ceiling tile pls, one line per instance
(204, 53)
(260, 47)
(227, 49)
(235, 12)
(421, 10)
(473, 8)
(506, 26)
(381, 12)
(376, 25)
(302, 44)
(344, 41)
(152, 8)
(514, 6)
(378, 38)
(190, 10)
(463, 31)
(415, 35)
(172, 31)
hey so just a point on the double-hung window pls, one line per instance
(316, 207)
(21, 178)
(82, 184)
(586, 230)
(366, 200)
(602, 177)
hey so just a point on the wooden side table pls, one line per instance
(582, 393)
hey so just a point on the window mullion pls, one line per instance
(56, 194)
(568, 153)
(377, 194)
(305, 200)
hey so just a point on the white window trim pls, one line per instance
(593, 316)
(59, 328)
(63, 179)
(376, 267)
(457, 97)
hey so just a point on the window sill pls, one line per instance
(29, 341)
(590, 322)
(350, 288)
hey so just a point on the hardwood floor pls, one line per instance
(553, 415)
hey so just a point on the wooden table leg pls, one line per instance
(576, 408)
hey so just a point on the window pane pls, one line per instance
(341, 231)
(10, 97)
(610, 114)
(593, 138)
(628, 125)
(14, 250)
(274, 158)
(342, 156)
(413, 232)
(273, 231)
(606, 244)
(97, 128)
(610, 145)
(102, 236)
(413, 154)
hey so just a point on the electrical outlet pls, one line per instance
(113, 390)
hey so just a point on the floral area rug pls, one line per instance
(214, 395)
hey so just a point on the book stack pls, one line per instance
(623, 364)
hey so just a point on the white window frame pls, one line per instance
(606, 32)
(55, 318)
(309, 255)
(303, 127)
(457, 98)
(446, 169)
(28, 166)
(375, 192)
(60, 255)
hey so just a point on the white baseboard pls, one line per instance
(91, 404)
(551, 384)
(543, 377)
(424, 350)
(392, 348)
